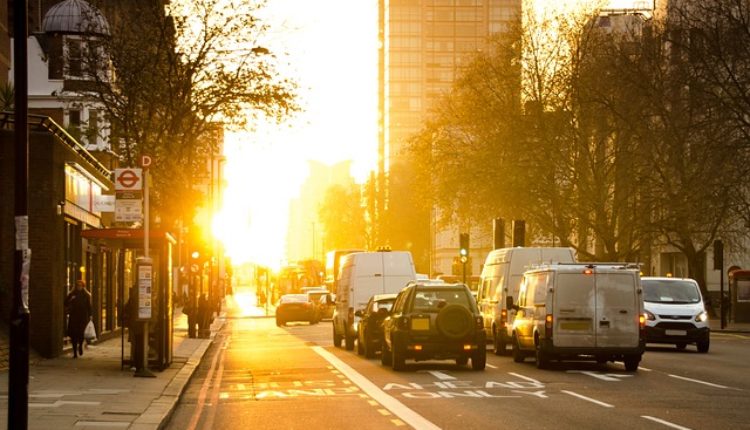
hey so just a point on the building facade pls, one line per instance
(425, 43)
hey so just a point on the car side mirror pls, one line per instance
(358, 313)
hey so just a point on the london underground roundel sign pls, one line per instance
(128, 179)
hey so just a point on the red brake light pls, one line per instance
(588, 272)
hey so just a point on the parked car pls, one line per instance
(430, 321)
(370, 327)
(296, 307)
(675, 312)
(579, 311)
(323, 301)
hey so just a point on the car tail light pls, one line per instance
(479, 323)
(467, 347)
(503, 317)
(548, 320)
(643, 317)
(350, 315)
(417, 347)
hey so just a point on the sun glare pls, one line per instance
(329, 48)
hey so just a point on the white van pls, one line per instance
(584, 310)
(675, 312)
(361, 276)
(501, 277)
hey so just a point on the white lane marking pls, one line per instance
(517, 375)
(666, 423)
(491, 366)
(589, 399)
(645, 369)
(699, 381)
(441, 376)
(397, 408)
(603, 376)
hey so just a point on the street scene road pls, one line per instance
(256, 374)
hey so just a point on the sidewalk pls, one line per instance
(730, 327)
(91, 392)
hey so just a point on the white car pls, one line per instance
(675, 312)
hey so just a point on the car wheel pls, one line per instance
(703, 345)
(631, 362)
(454, 322)
(398, 361)
(278, 322)
(336, 337)
(349, 342)
(462, 361)
(498, 342)
(479, 359)
(368, 347)
(681, 346)
(385, 356)
(542, 358)
(360, 345)
(518, 355)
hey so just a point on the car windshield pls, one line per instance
(670, 291)
(433, 299)
(294, 298)
(316, 295)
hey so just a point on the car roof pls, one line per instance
(378, 297)
(665, 278)
(436, 284)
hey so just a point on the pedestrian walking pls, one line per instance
(78, 308)
(205, 312)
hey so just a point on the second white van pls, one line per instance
(361, 276)
(501, 277)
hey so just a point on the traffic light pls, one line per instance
(463, 249)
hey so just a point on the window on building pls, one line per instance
(92, 131)
(74, 123)
(74, 58)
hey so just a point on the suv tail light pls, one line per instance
(548, 320)
(479, 323)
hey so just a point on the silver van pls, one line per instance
(501, 277)
(583, 310)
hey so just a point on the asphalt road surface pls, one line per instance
(260, 376)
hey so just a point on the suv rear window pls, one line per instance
(434, 299)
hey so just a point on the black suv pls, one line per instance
(434, 321)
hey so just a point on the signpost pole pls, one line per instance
(145, 287)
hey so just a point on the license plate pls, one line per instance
(675, 332)
(420, 324)
(575, 325)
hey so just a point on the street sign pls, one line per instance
(128, 210)
(104, 203)
(145, 161)
(130, 179)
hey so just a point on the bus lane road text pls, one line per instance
(463, 389)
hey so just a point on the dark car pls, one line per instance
(434, 321)
(370, 327)
(296, 307)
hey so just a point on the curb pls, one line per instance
(156, 416)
